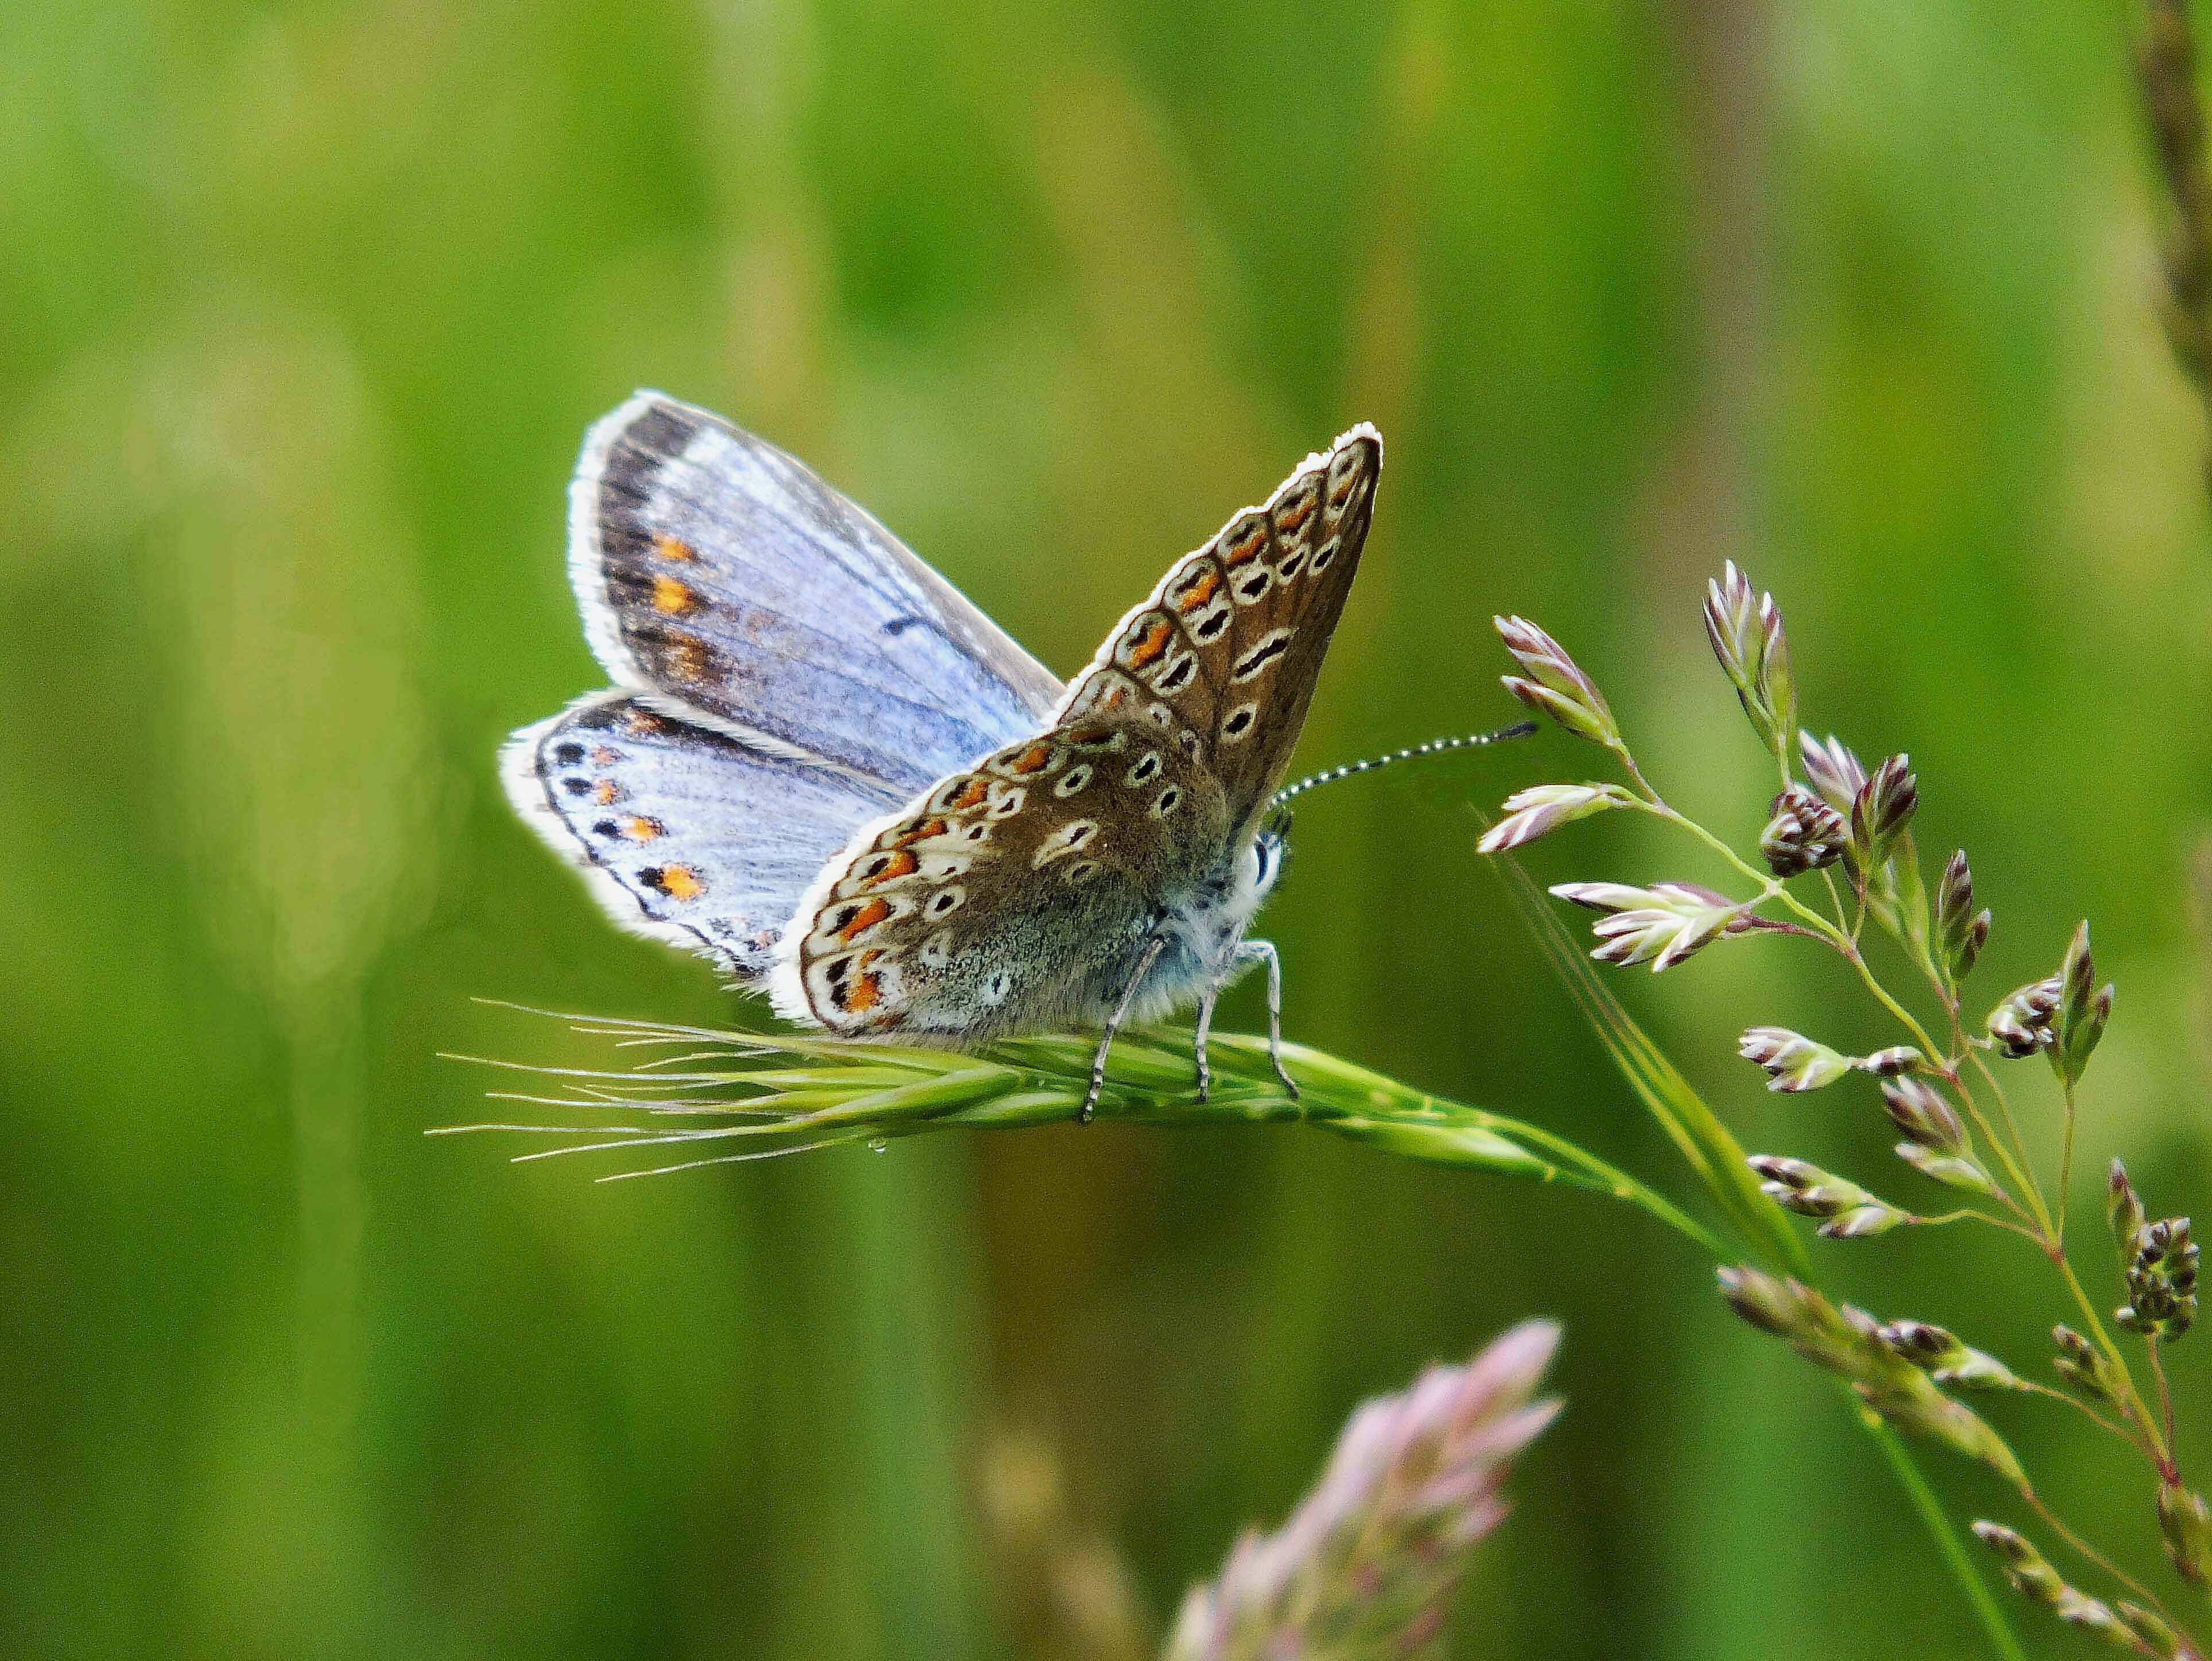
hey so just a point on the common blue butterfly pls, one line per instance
(824, 769)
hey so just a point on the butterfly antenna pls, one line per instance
(1434, 747)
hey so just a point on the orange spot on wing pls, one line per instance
(604, 755)
(921, 833)
(862, 993)
(674, 548)
(637, 720)
(1199, 591)
(1292, 515)
(606, 793)
(687, 658)
(1152, 643)
(971, 795)
(671, 598)
(677, 881)
(638, 829)
(894, 865)
(1033, 759)
(865, 919)
(1247, 544)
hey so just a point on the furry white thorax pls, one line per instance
(1201, 955)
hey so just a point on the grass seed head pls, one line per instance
(1553, 683)
(1803, 833)
(1792, 1061)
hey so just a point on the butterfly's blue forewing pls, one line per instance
(724, 581)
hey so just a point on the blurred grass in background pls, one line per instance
(303, 313)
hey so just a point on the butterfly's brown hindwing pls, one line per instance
(1223, 655)
(1017, 895)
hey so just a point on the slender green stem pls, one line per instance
(1617, 1183)
(1978, 1593)
(1968, 1214)
(2089, 1554)
(2066, 1173)
(2117, 1428)
(2165, 1391)
(2004, 1102)
(1636, 773)
(2134, 1405)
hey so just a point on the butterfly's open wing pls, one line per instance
(687, 834)
(1223, 657)
(723, 581)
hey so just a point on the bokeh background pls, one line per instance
(303, 309)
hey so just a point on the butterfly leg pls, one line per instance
(1153, 948)
(1206, 1002)
(1263, 951)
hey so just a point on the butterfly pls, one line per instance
(823, 768)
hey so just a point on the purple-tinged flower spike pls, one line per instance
(1802, 834)
(1946, 1359)
(2079, 1020)
(1880, 810)
(1832, 770)
(1555, 684)
(1660, 925)
(1960, 930)
(1367, 1563)
(2185, 1521)
(1793, 1062)
(1852, 1212)
(2033, 1579)
(2162, 1281)
(1542, 809)
(1746, 630)
(2022, 1024)
(2084, 1366)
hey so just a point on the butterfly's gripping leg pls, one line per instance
(1263, 951)
(1153, 948)
(1206, 1002)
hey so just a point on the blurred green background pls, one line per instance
(303, 311)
